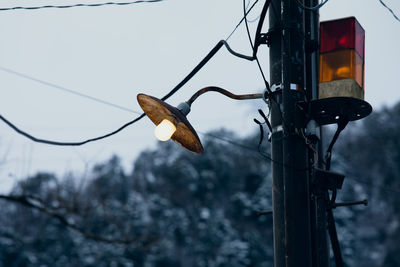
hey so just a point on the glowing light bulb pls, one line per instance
(164, 130)
(343, 72)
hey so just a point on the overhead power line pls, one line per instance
(168, 95)
(68, 90)
(251, 42)
(57, 143)
(249, 148)
(391, 11)
(232, 142)
(240, 22)
(80, 5)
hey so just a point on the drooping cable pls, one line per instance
(240, 22)
(173, 91)
(57, 143)
(252, 46)
(210, 55)
(265, 119)
(257, 44)
(201, 65)
(80, 5)
(261, 131)
(251, 20)
(257, 39)
(232, 142)
(390, 10)
(169, 94)
(260, 152)
(341, 125)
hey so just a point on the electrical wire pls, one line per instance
(240, 22)
(257, 39)
(253, 20)
(252, 47)
(81, 5)
(269, 156)
(261, 132)
(169, 94)
(340, 127)
(255, 49)
(68, 90)
(316, 155)
(230, 142)
(57, 143)
(311, 147)
(314, 8)
(173, 91)
(391, 11)
(260, 152)
(250, 58)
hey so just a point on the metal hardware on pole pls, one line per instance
(291, 196)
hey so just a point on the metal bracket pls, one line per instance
(264, 38)
(328, 179)
(331, 110)
(350, 203)
(274, 88)
(263, 212)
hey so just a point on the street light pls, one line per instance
(171, 121)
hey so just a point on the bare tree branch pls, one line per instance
(37, 203)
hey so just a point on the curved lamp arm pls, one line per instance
(171, 121)
(224, 92)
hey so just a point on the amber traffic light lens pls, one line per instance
(342, 64)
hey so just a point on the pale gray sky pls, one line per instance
(116, 52)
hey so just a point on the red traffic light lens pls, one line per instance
(341, 34)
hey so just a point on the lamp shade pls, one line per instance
(158, 110)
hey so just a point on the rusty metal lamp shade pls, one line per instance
(157, 110)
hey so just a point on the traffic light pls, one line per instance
(341, 61)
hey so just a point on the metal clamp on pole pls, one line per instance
(350, 203)
(328, 180)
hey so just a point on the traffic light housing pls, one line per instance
(341, 61)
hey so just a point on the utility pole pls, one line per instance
(291, 195)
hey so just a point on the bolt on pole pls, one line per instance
(291, 195)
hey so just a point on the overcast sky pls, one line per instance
(115, 52)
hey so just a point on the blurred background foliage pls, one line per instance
(179, 209)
